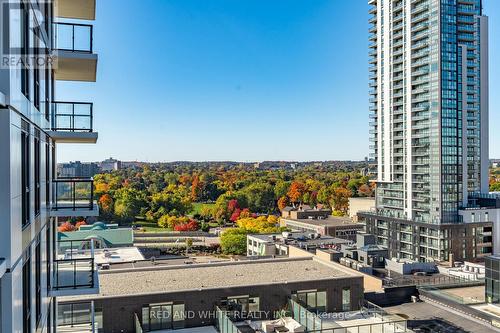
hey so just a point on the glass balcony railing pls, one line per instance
(74, 266)
(73, 37)
(72, 117)
(79, 317)
(73, 193)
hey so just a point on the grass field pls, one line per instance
(198, 206)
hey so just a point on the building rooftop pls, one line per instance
(215, 275)
(299, 237)
(331, 221)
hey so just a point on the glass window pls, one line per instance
(346, 299)
(163, 316)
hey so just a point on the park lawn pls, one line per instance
(198, 206)
(151, 226)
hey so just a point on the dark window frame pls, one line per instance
(25, 173)
(37, 172)
(25, 42)
(27, 291)
(38, 283)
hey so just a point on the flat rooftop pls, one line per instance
(331, 221)
(429, 317)
(214, 275)
(300, 237)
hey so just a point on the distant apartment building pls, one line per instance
(319, 221)
(44, 42)
(110, 164)
(77, 169)
(429, 118)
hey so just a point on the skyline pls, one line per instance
(269, 65)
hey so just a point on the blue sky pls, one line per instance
(243, 80)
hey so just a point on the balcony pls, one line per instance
(75, 9)
(72, 123)
(74, 57)
(80, 317)
(74, 271)
(74, 197)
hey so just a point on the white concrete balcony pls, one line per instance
(74, 197)
(75, 9)
(75, 271)
(72, 122)
(74, 59)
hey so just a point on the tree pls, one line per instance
(281, 189)
(261, 224)
(190, 225)
(80, 223)
(66, 227)
(340, 199)
(106, 206)
(296, 191)
(128, 204)
(259, 197)
(283, 202)
(234, 241)
(196, 188)
(365, 191)
(174, 200)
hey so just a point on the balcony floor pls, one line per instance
(65, 209)
(82, 328)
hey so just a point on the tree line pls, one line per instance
(162, 194)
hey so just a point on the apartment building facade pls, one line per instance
(429, 127)
(40, 44)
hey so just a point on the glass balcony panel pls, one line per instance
(73, 193)
(73, 37)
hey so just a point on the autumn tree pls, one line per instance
(340, 199)
(283, 202)
(296, 191)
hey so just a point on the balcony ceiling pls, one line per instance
(75, 66)
(73, 137)
(75, 9)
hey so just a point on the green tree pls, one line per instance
(234, 241)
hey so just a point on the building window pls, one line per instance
(48, 238)
(314, 300)
(25, 43)
(38, 282)
(27, 292)
(163, 316)
(243, 304)
(37, 173)
(47, 173)
(346, 299)
(36, 71)
(25, 173)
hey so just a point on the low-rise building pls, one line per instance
(104, 236)
(188, 296)
(366, 251)
(325, 225)
(305, 212)
(278, 244)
